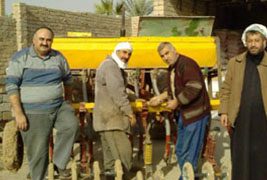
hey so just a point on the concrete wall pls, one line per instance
(181, 8)
(7, 49)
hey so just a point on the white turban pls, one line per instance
(123, 45)
(120, 46)
(254, 27)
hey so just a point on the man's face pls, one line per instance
(168, 55)
(124, 55)
(42, 42)
(255, 43)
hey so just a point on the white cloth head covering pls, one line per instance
(120, 46)
(254, 27)
(123, 45)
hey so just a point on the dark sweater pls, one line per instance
(190, 90)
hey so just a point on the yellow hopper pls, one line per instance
(88, 53)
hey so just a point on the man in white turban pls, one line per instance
(244, 106)
(113, 115)
(122, 53)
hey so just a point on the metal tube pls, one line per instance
(84, 88)
(123, 31)
(153, 76)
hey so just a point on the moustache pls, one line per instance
(253, 47)
(44, 46)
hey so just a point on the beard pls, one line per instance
(255, 50)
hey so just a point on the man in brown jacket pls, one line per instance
(244, 106)
(113, 114)
(188, 97)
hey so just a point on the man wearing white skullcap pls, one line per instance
(254, 27)
(113, 115)
(243, 106)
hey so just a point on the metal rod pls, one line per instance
(123, 31)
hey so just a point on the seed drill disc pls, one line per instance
(139, 175)
(51, 171)
(208, 170)
(226, 171)
(159, 175)
(96, 170)
(74, 174)
(188, 172)
(118, 170)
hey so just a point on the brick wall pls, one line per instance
(7, 49)
(31, 17)
(180, 8)
(16, 33)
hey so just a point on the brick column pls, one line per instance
(135, 25)
(20, 14)
(158, 8)
(2, 7)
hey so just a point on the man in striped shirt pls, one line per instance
(38, 85)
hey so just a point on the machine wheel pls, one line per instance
(188, 172)
(208, 170)
(226, 171)
(118, 170)
(96, 170)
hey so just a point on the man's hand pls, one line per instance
(172, 104)
(155, 101)
(224, 120)
(132, 119)
(140, 100)
(21, 122)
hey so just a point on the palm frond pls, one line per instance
(105, 7)
(138, 7)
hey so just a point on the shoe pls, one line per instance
(110, 173)
(63, 173)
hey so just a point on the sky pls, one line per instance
(69, 5)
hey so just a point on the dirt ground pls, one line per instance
(170, 170)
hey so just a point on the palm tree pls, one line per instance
(119, 8)
(106, 7)
(138, 7)
(132, 7)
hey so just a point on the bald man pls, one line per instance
(34, 87)
(113, 114)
